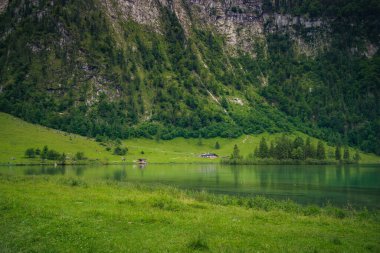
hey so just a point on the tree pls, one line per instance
(236, 153)
(53, 155)
(298, 153)
(30, 153)
(44, 152)
(271, 152)
(62, 159)
(321, 155)
(158, 135)
(308, 149)
(80, 156)
(256, 152)
(338, 153)
(346, 154)
(283, 149)
(263, 148)
(217, 145)
(357, 156)
(120, 151)
(298, 142)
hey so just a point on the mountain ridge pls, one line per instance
(190, 68)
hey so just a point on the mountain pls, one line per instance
(169, 68)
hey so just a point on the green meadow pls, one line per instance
(66, 213)
(58, 214)
(16, 136)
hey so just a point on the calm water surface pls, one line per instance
(339, 185)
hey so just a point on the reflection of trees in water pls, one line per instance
(79, 171)
(142, 169)
(45, 171)
(120, 175)
(217, 178)
(236, 172)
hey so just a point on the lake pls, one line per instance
(357, 185)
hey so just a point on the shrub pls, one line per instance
(53, 155)
(80, 156)
(120, 151)
(30, 153)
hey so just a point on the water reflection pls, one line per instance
(358, 185)
(44, 171)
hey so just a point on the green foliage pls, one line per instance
(236, 153)
(30, 153)
(170, 75)
(79, 156)
(120, 151)
(217, 145)
(46, 153)
(321, 153)
(346, 154)
(263, 149)
(338, 153)
(356, 156)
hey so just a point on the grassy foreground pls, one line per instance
(45, 214)
(16, 136)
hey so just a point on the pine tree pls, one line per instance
(256, 153)
(357, 156)
(44, 152)
(338, 153)
(308, 150)
(263, 148)
(346, 154)
(236, 153)
(158, 135)
(321, 155)
(271, 150)
(298, 142)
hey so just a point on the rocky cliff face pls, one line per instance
(3, 5)
(242, 23)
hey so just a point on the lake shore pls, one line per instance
(72, 214)
(17, 136)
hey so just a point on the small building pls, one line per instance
(209, 155)
(142, 161)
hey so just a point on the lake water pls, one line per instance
(340, 185)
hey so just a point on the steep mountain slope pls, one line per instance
(196, 67)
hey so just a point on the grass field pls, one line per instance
(46, 214)
(17, 135)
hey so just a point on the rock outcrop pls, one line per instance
(240, 22)
(3, 5)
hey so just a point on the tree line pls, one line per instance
(50, 154)
(297, 149)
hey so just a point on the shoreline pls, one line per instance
(262, 163)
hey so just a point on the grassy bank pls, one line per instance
(41, 214)
(16, 136)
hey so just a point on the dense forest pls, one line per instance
(62, 65)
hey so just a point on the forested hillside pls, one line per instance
(193, 68)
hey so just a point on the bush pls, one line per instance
(120, 151)
(30, 153)
(80, 156)
(53, 155)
